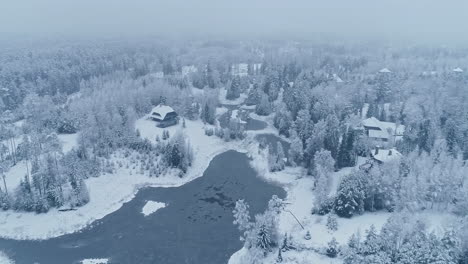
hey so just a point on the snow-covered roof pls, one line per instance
(186, 70)
(161, 111)
(241, 69)
(386, 128)
(371, 122)
(386, 155)
(458, 69)
(158, 74)
(337, 78)
(385, 70)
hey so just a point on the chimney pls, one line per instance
(376, 150)
(390, 152)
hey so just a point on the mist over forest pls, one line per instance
(239, 132)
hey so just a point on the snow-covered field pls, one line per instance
(151, 207)
(109, 191)
(4, 259)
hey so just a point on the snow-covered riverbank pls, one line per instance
(109, 191)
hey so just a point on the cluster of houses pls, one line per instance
(383, 136)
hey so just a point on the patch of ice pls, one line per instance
(95, 261)
(4, 259)
(151, 207)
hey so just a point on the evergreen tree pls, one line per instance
(332, 249)
(233, 90)
(452, 136)
(332, 223)
(332, 138)
(264, 107)
(296, 149)
(347, 154)
(279, 259)
(208, 113)
(282, 120)
(263, 239)
(350, 197)
(426, 136)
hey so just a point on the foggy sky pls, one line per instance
(444, 21)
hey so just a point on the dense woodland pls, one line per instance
(316, 94)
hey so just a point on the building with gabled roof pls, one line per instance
(382, 131)
(164, 115)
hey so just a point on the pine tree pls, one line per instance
(280, 157)
(350, 197)
(280, 257)
(371, 243)
(332, 138)
(242, 217)
(264, 106)
(332, 223)
(263, 239)
(233, 90)
(332, 249)
(208, 114)
(452, 136)
(347, 154)
(296, 150)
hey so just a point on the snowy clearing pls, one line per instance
(14, 175)
(151, 207)
(69, 141)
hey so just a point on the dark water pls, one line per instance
(195, 226)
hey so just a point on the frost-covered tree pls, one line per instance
(234, 89)
(332, 248)
(276, 161)
(296, 150)
(242, 217)
(347, 152)
(282, 119)
(332, 223)
(323, 169)
(264, 106)
(350, 196)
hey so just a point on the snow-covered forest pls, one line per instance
(376, 140)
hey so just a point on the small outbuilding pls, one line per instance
(385, 155)
(164, 115)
